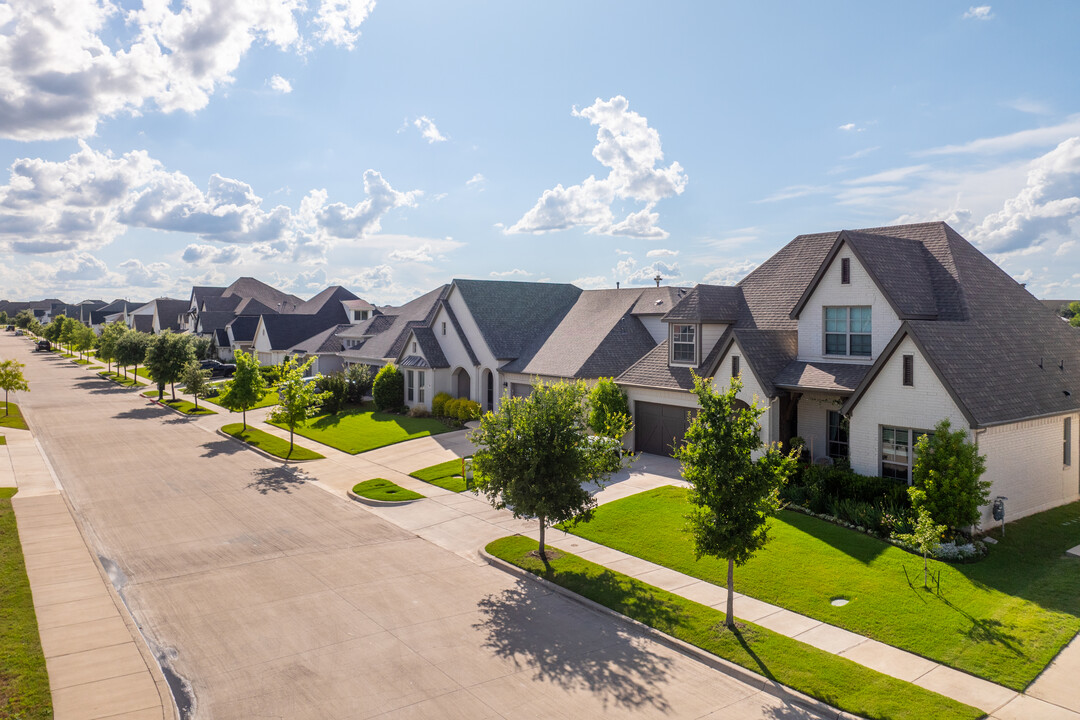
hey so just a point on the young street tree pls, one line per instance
(167, 355)
(733, 495)
(297, 400)
(12, 380)
(926, 536)
(106, 341)
(945, 479)
(84, 339)
(195, 381)
(534, 455)
(247, 386)
(130, 350)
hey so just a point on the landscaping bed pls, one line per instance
(1003, 619)
(24, 681)
(384, 491)
(363, 428)
(11, 416)
(840, 682)
(270, 444)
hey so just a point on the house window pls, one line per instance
(1066, 457)
(444, 327)
(847, 331)
(420, 386)
(838, 436)
(845, 271)
(360, 315)
(684, 344)
(898, 452)
(410, 385)
(909, 371)
(414, 348)
(734, 366)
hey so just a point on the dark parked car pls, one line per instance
(44, 345)
(218, 369)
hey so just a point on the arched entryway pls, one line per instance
(462, 383)
(489, 390)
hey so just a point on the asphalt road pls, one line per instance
(270, 597)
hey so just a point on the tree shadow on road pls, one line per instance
(142, 413)
(276, 479)
(523, 624)
(222, 447)
(99, 387)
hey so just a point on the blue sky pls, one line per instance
(392, 146)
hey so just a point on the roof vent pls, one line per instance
(1061, 365)
(1040, 362)
(1067, 393)
(659, 302)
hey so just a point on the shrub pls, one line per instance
(945, 479)
(438, 404)
(419, 411)
(388, 389)
(609, 412)
(337, 388)
(359, 379)
(450, 408)
(271, 373)
(468, 410)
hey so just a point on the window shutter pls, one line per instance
(845, 271)
(909, 370)
(734, 366)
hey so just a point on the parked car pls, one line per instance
(217, 368)
(11, 328)
(19, 333)
(43, 345)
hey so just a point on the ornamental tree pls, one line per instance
(247, 386)
(196, 382)
(732, 495)
(945, 479)
(609, 413)
(84, 338)
(131, 349)
(388, 388)
(297, 400)
(926, 536)
(534, 456)
(167, 356)
(106, 341)
(12, 380)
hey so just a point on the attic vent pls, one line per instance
(845, 271)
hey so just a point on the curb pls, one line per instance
(380, 503)
(727, 667)
(254, 449)
(193, 416)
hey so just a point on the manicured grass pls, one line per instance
(24, 681)
(837, 681)
(446, 475)
(269, 443)
(184, 406)
(3, 440)
(120, 380)
(11, 417)
(1003, 619)
(380, 489)
(271, 398)
(80, 361)
(361, 429)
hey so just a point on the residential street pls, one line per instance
(272, 597)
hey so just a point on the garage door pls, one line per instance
(520, 390)
(659, 428)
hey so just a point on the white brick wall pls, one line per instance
(829, 292)
(751, 392)
(814, 422)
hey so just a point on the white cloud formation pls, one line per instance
(66, 65)
(628, 273)
(476, 179)
(631, 149)
(198, 254)
(592, 282)
(1021, 140)
(280, 84)
(662, 253)
(978, 12)
(80, 267)
(729, 274)
(420, 254)
(847, 127)
(379, 277)
(138, 274)
(89, 199)
(510, 273)
(427, 128)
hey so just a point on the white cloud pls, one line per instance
(631, 149)
(978, 12)
(197, 254)
(847, 127)
(1024, 139)
(729, 274)
(1066, 249)
(427, 128)
(592, 282)
(138, 274)
(81, 267)
(67, 66)
(280, 84)
(510, 273)
(861, 153)
(89, 199)
(379, 277)
(309, 282)
(476, 179)
(628, 273)
(420, 254)
(889, 176)
(1027, 105)
(661, 253)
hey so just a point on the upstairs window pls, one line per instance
(847, 331)
(360, 315)
(684, 344)
(410, 385)
(444, 328)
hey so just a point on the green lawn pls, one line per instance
(358, 430)
(120, 380)
(1003, 619)
(270, 398)
(184, 406)
(269, 443)
(446, 475)
(11, 416)
(3, 440)
(380, 489)
(837, 681)
(24, 682)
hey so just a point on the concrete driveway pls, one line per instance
(270, 597)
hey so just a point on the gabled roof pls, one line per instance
(142, 323)
(456, 324)
(429, 345)
(390, 330)
(766, 352)
(827, 377)
(169, 311)
(271, 297)
(211, 321)
(710, 304)
(251, 306)
(654, 371)
(359, 304)
(328, 304)
(219, 303)
(243, 328)
(221, 337)
(326, 341)
(598, 337)
(658, 301)
(510, 314)
(120, 306)
(285, 332)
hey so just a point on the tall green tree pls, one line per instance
(69, 327)
(106, 342)
(534, 456)
(247, 387)
(196, 381)
(297, 399)
(946, 478)
(201, 346)
(53, 330)
(131, 349)
(609, 413)
(732, 494)
(84, 339)
(167, 355)
(4, 319)
(23, 318)
(12, 380)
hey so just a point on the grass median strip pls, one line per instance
(363, 428)
(381, 489)
(1003, 618)
(837, 681)
(446, 475)
(269, 443)
(270, 398)
(24, 681)
(11, 416)
(119, 379)
(185, 406)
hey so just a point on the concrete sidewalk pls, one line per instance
(98, 664)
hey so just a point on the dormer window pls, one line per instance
(360, 315)
(684, 344)
(847, 331)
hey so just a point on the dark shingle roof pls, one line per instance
(653, 369)
(510, 314)
(461, 333)
(830, 377)
(287, 331)
(251, 306)
(328, 304)
(142, 323)
(169, 311)
(658, 301)
(767, 352)
(249, 287)
(221, 337)
(326, 341)
(211, 321)
(243, 328)
(425, 336)
(390, 329)
(217, 303)
(710, 304)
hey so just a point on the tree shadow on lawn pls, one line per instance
(276, 479)
(526, 625)
(856, 545)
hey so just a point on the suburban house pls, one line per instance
(279, 336)
(157, 315)
(861, 341)
(115, 311)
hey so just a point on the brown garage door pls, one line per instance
(659, 428)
